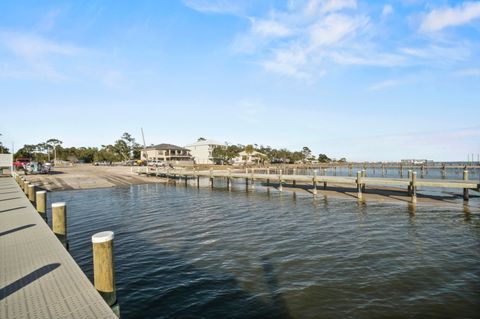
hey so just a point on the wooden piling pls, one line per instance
(31, 193)
(59, 222)
(409, 178)
(364, 174)
(314, 183)
(104, 267)
(25, 187)
(280, 187)
(359, 185)
(41, 203)
(465, 190)
(211, 178)
(414, 187)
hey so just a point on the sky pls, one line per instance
(365, 80)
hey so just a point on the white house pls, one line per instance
(202, 150)
(249, 158)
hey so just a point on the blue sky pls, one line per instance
(365, 80)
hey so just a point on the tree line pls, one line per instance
(123, 149)
(267, 153)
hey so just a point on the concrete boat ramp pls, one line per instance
(38, 277)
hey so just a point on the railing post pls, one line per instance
(465, 190)
(104, 268)
(59, 222)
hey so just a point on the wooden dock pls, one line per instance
(360, 181)
(38, 277)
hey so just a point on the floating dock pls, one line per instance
(38, 277)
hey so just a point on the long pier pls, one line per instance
(361, 181)
(38, 277)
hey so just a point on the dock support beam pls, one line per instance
(359, 185)
(59, 222)
(465, 190)
(104, 268)
(41, 204)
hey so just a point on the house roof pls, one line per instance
(165, 146)
(206, 142)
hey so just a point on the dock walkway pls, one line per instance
(38, 277)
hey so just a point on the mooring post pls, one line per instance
(465, 190)
(31, 193)
(280, 187)
(25, 187)
(59, 222)
(104, 268)
(409, 185)
(414, 187)
(359, 185)
(41, 203)
(314, 182)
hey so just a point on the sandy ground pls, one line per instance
(89, 176)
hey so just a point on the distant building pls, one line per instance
(414, 161)
(249, 158)
(166, 153)
(202, 151)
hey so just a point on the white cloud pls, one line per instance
(439, 19)
(469, 72)
(215, 6)
(334, 28)
(384, 85)
(314, 7)
(270, 28)
(387, 10)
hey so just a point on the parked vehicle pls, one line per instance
(37, 168)
(20, 162)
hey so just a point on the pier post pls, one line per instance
(25, 187)
(359, 185)
(350, 166)
(414, 187)
(41, 203)
(229, 179)
(59, 222)
(211, 178)
(465, 190)
(280, 187)
(252, 186)
(104, 268)
(314, 182)
(364, 174)
(409, 178)
(31, 193)
(383, 169)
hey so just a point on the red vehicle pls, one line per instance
(21, 162)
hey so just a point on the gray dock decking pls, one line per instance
(38, 277)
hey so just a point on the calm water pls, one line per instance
(188, 253)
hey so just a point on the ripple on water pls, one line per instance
(182, 253)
